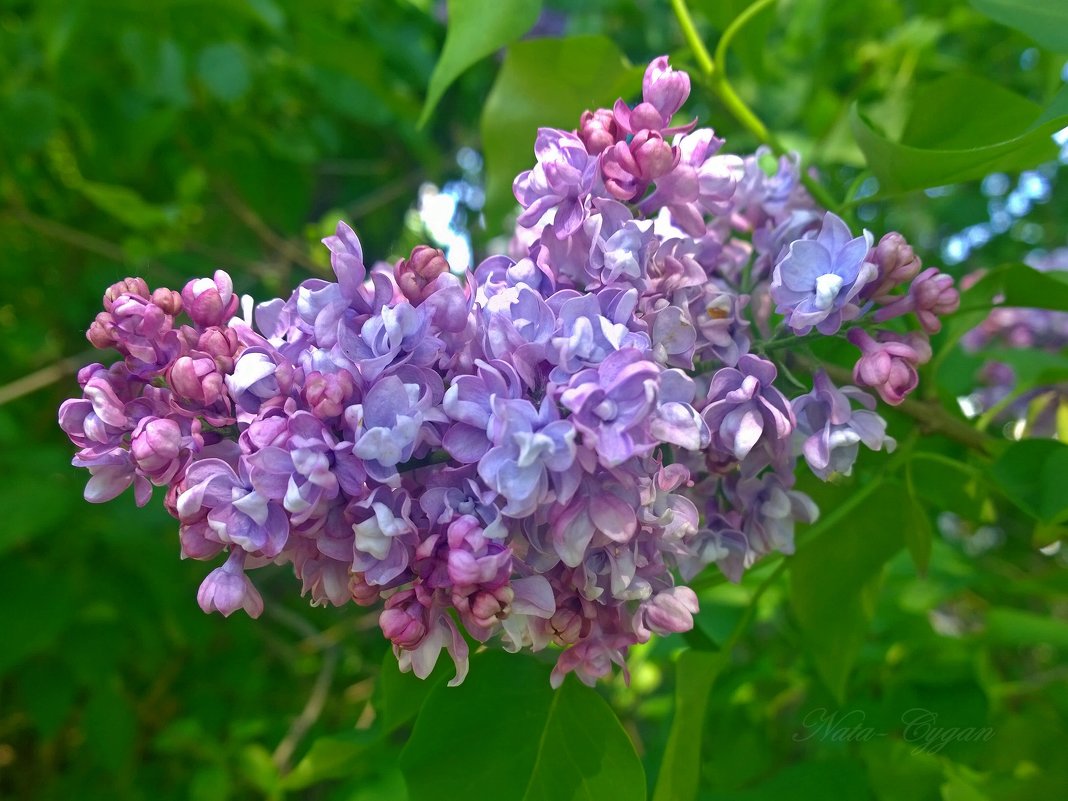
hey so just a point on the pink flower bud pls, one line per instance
(127, 286)
(221, 344)
(598, 130)
(568, 626)
(664, 89)
(210, 301)
(328, 394)
(197, 379)
(933, 295)
(416, 273)
(889, 365)
(102, 331)
(897, 263)
(668, 612)
(404, 620)
(168, 300)
(156, 447)
(362, 593)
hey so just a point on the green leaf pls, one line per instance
(1031, 473)
(832, 577)
(330, 758)
(35, 608)
(504, 732)
(210, 783)
(223, 71)
(919, 533)
(1016, 627)
(1018, 285)
(544, 82)
(1045, 21)
(961, 128)
(695, 672)
(30, 117)
(110, 727)
(476, 29)
(400, 696)
(47, 690)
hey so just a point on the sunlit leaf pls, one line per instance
(476, 28)
(544, 82)
(695, 672)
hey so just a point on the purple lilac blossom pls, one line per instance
(818, 282)
(830, 431)
(531, 453)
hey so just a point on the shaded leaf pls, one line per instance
(1015, 627)
(1018, 285)
(124, 204)
(330, 758)
(961, 128)
(532, 742)
(831, 578)
(1045, 21)
(695, 672)
(1031, 473)
(223, 71)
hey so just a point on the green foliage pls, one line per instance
(1031, 473)
(542, 83)
(508, 730)
(695, 672)
(834, 579)
(477, 28)
(170, 138)
(1045, 21)
(961, 128)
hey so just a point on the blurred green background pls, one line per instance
(167, 139)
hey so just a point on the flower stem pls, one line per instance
(715, 75)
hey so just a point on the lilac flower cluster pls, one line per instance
(535, 450)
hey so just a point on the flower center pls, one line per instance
(827, 288)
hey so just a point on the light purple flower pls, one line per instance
(819, 280)
(700, 182)
(562, 178)
(227, 589)
(745, 410)
(830, 430)
(770, 510)
(237, 513)
(385, 536)
(534, 450)
(395, 418)
(612, 405)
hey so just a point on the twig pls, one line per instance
(714, 73)
(43, 377)
(72, 236)
(383, 195)
(313, 707)
(266, 234)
